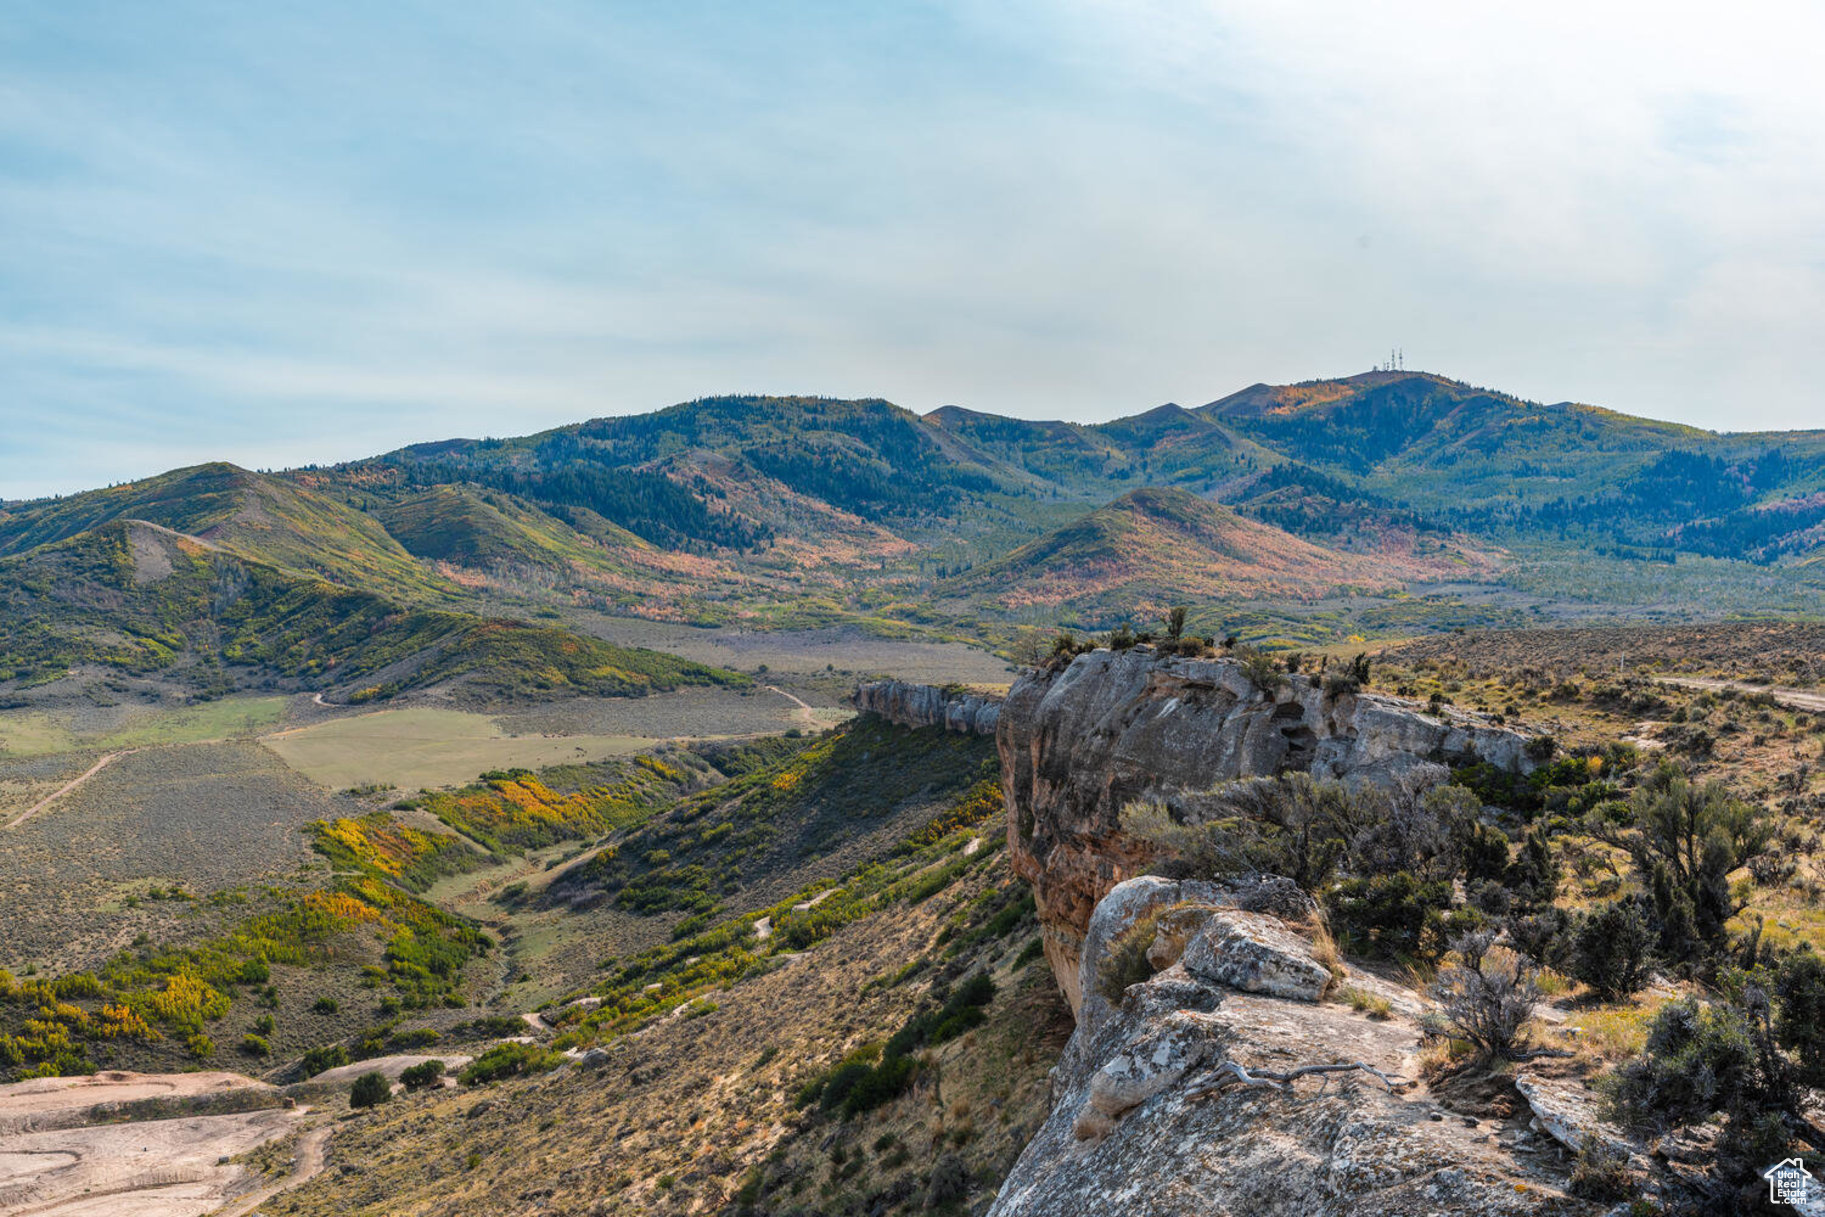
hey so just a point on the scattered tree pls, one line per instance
(370, 1090)
(1610, 950)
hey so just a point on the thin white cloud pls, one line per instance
(302, 239)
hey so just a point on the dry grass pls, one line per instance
(1371, 1004)
(1615, 1033)
(426, 747)
(1324, 950)
(1553, 984)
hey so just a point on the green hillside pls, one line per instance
(870, 457)
(1568, 474)
(265, 518)
(143, 599)
(1156, 547)
(470, 527)
(776, 511)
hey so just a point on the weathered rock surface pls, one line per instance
(1118, 726)
(964, 711)
(1256, 954)
(1185, 907)
(1566, 1111)
(1132, 1130)
(1125, 904)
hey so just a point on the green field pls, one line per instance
(42, 733)
(425, 747)
(231, 718)
(31, 733)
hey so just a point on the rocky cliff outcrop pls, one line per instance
(965, 711)
(1113, 727)
(1188, 1097)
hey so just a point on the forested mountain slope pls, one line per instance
(796, 512)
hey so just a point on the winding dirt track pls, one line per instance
(1793, 699)
(806, 714)
(307, 1164)
(68, 786)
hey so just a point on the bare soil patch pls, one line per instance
(172, 1167)
(45, 1103)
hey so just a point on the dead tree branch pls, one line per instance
(1229, 1072)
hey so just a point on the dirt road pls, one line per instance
(68, 786)
(307, 1164)
(806, 714)
(1793, 699)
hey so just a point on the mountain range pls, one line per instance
(1387, 500)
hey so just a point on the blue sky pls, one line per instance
(284, 233)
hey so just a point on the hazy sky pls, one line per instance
(281, 233)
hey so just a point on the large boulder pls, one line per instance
(1256, 954)
(1125, 904)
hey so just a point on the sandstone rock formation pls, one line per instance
(1116, 726)
(1154, 1115)
(1254, 953)
(964, 711)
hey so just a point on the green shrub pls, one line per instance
(329, 1056)
(949, 1182)
(509, 1060)
(423, 1074)
(1800, 1026)
(884, 1083)
(370, 1090)
(1485, 850)
(1261, 670)
(1601, 1173)
(1542, 936)
(1533, 876)
(255, 1045)
(488, 1027)
(960, 1012)
(1700, 1059)
(1124, 961)
(1387, 915)
(840, 1082)
(870, 1076)
(1610, 948)
(325, 1005)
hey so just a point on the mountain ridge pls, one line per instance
(795, 512)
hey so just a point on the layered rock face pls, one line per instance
(908, 705)
(1165, 1105)
(1114, 727)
